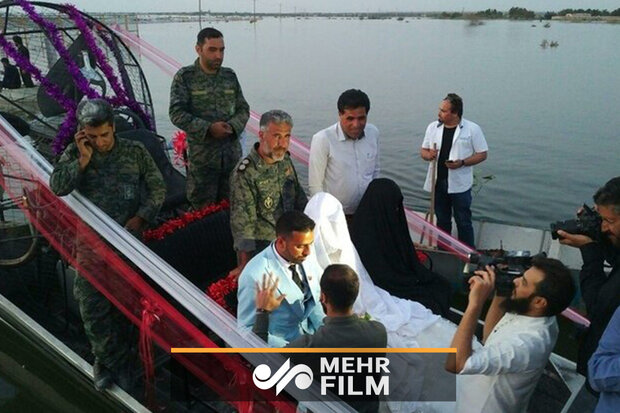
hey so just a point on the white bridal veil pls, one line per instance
(409, 324)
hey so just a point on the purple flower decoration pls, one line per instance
(66, 129)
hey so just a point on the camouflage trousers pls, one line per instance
(208, 185)
(109, 332)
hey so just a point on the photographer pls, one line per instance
(600, 291)
(519, 334)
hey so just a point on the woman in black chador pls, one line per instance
(381, 237)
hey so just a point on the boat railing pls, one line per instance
(115, 262)
(301, 152)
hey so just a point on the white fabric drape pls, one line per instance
(409, 324)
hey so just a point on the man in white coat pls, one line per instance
(458, 145)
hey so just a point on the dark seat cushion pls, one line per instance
(175, 181)
(202, 251)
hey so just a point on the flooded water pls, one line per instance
(549, 115)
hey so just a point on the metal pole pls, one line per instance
(434, 181)
(200, 14)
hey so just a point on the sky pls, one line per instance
(288, 6)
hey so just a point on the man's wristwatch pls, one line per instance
(462, 163)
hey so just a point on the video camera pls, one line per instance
(588, 223)
(508, 266)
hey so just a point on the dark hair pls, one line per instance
(95, 112)
(609, 195)
(17, 40)
(340, 285)
(293, 221)
(557, 286)
(353, 99)
(456, 103)
(4, 60)
(208, 33)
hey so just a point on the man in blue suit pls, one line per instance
(298, 281)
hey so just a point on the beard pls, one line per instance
(516, 305)
(277, 154)
(612, 239)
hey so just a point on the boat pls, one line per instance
(154, 283)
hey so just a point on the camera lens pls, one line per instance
(473, 258)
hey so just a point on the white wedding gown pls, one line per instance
(409, 324)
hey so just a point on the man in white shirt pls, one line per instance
(344, 157)
(457, 144)
(520, 332)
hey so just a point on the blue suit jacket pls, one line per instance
(291, 319)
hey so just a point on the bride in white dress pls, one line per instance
(409, 324)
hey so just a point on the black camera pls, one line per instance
(588, 223)
(508, 266)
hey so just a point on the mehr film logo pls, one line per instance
(337, 374)
(345, 372)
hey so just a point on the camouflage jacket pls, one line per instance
(260, 193)
(123, 183)
(197, 100)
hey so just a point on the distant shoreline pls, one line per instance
(182, 17)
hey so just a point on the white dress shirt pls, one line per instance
(342, 166)
(467, 140)
(502, 375)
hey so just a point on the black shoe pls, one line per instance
(125, 379)
(103, 377)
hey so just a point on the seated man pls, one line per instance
(285, 259)
(11, 79)
(519, 334)
(342, 328)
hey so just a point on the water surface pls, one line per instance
(549, 115)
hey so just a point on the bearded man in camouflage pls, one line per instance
(207, 103)
(264, 186)
(121, 178)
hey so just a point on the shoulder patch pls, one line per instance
(243, 165)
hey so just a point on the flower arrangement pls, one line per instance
(175, 224)
(179, 146)
(221, 289)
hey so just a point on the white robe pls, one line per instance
(409, 324)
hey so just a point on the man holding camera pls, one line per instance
(600, 291)
(520, 332)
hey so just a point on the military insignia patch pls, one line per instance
(268, 202)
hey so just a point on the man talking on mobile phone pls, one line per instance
(457, 144)
(120, 177)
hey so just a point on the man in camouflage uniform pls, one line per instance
(207, 103)
(264, 185)
(121, 178)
